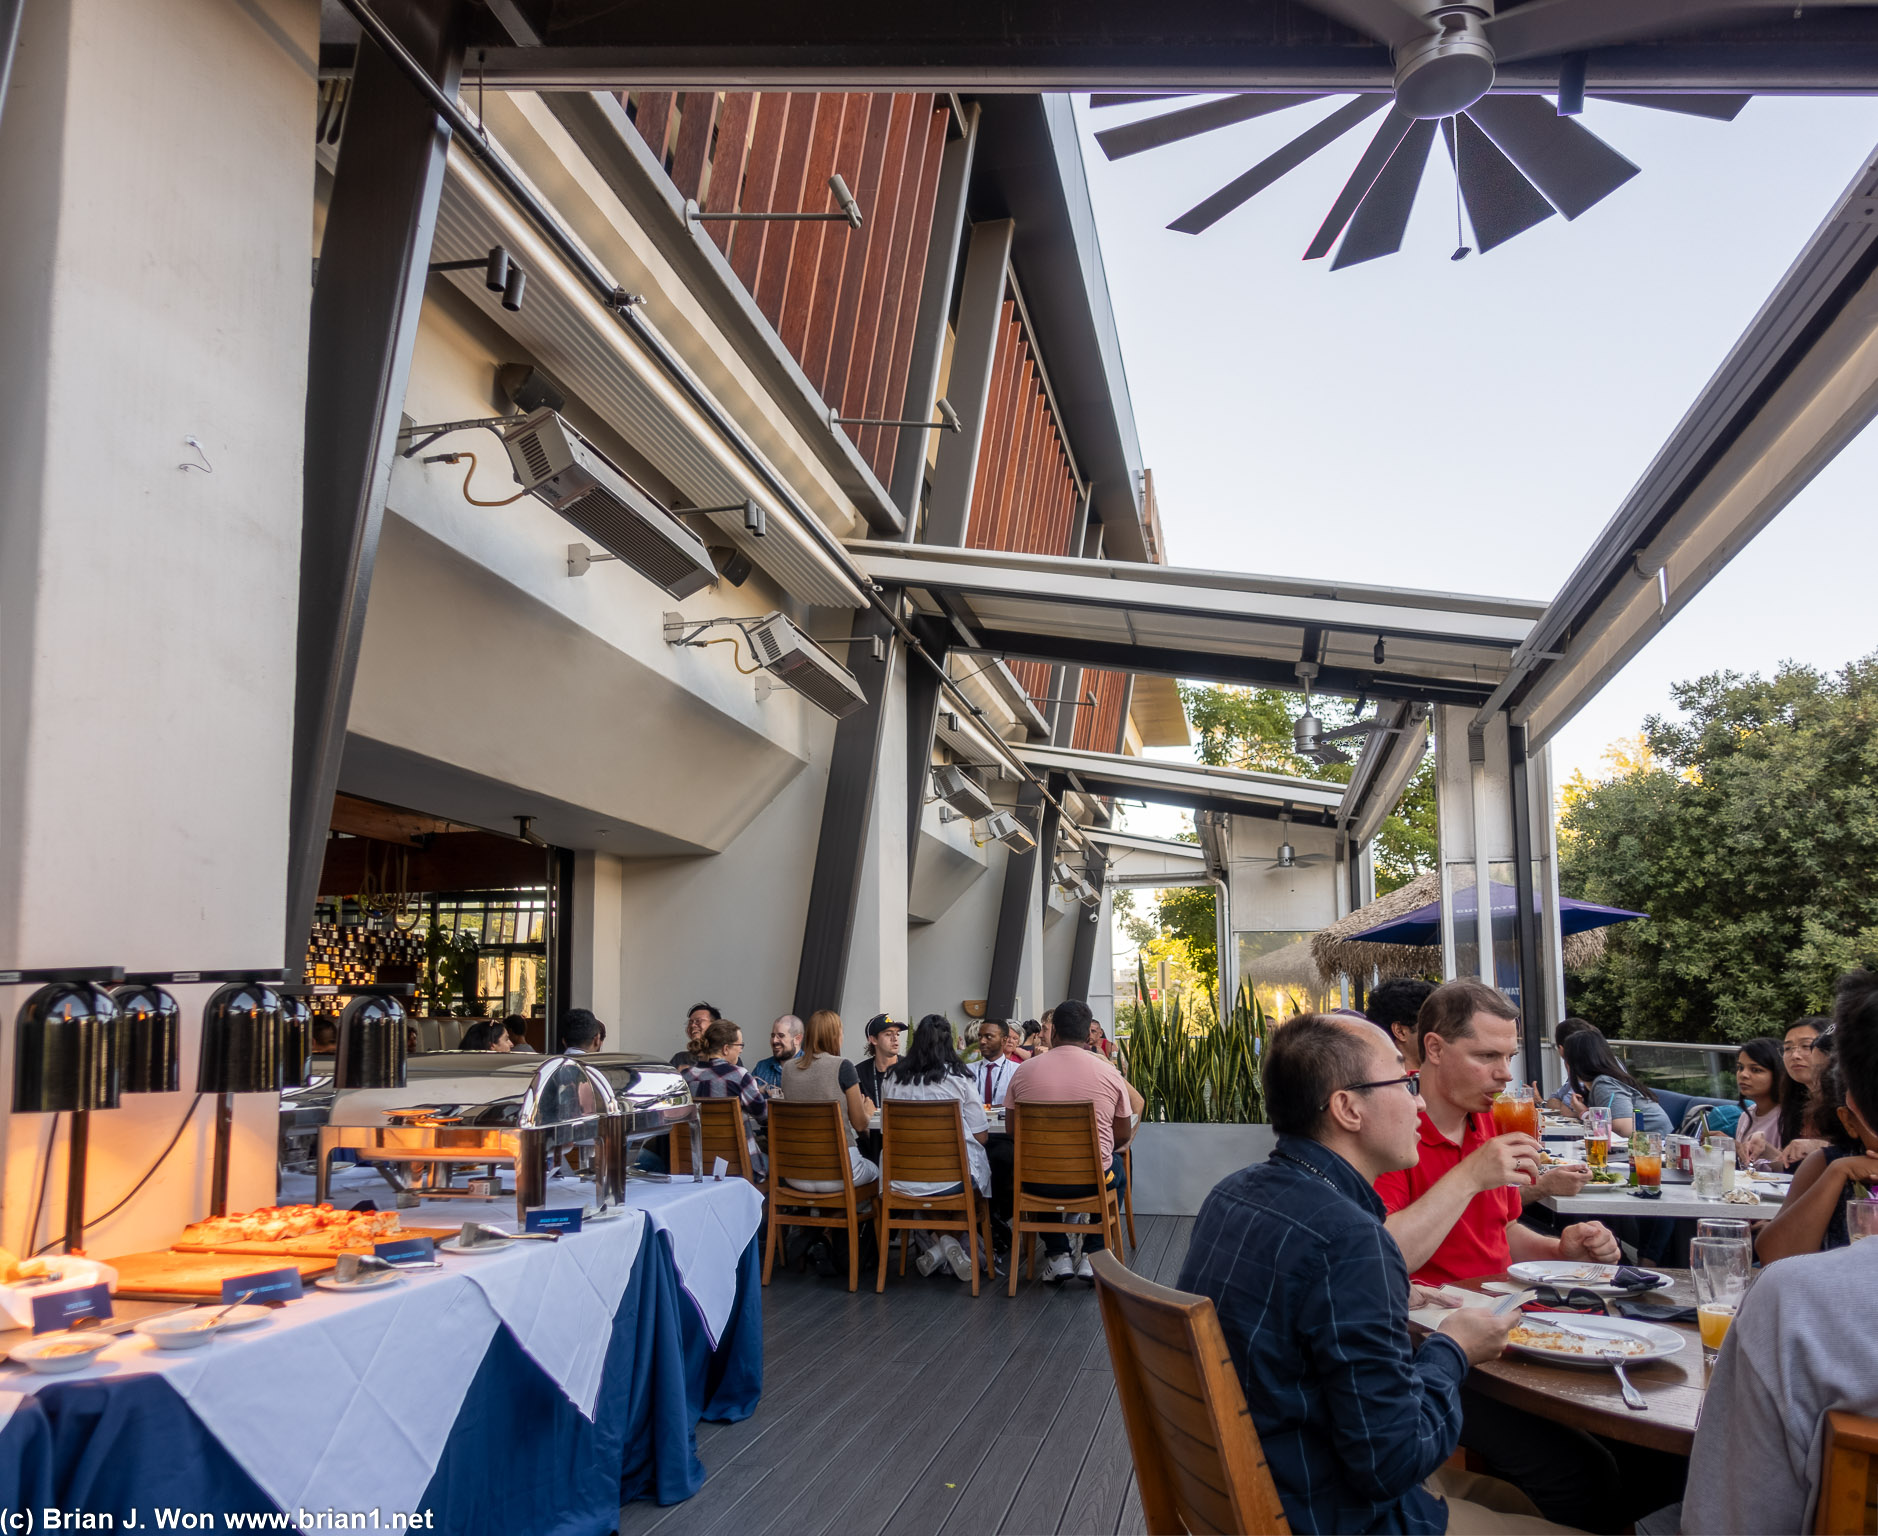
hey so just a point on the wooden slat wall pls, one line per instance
(845, 302)
(1099, 729)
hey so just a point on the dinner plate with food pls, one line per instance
(1565, 1273)
(1572, 1339)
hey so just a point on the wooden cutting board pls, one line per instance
(311, 1247)
(159, 1276)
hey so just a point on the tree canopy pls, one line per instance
(1748, 830)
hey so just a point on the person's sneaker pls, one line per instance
(956, 1256)
(822, 1259)
(929, 1260)
(1084, 1271)
(1059, 1269)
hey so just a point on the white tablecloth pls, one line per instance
(376, 1379)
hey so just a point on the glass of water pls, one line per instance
(1709, 1165)
(1861, 1219)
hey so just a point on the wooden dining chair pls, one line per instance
(1848, 1483)
(808, 1142)
(1199, 1467)
(924, 1143)
(1128, 1195)
(721, 1130)
(1056, 1143)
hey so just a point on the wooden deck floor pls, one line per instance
(923, 1412)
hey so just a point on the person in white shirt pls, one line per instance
(995, 1061)
(1796, 1351)
(931, 1070)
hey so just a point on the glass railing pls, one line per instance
(1707, 1071)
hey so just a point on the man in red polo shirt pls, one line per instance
(1455, 1215)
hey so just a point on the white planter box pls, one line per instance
(1176, 1166)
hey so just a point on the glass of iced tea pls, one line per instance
(1646, 1158)
(1515, 1109)
(1721, 1268)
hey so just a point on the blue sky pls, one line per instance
(1472, 425)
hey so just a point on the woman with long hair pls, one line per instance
(1591, 1061)
(720, 1074)
(1762, 1088)
(931, 1071)
(1806, 1124)
(1812, 1217)
(820, 1074)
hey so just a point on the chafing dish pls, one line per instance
(478, 1113)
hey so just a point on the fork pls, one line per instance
(1632, 1397)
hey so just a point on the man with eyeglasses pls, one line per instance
(1312, 1294)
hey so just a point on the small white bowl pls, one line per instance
(33, 1353)
(184, 1330)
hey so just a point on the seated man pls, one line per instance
(1394, 1006)
(1455, 1214)
(1796, 1349)
(1313, 1297)
(785, 1044)
(1072, 1072)
(996, 1061)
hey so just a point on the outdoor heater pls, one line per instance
(68, 1041)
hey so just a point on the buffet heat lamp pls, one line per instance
(242, 1026)
(67, 1051)
(153, 1039)
(372, 1045)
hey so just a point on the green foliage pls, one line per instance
(1748, 830)
(452, 979)
(1139, 926)
(1190, 1069)
(1186, 912)
(1251, 728)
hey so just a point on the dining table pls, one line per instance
(1589, 1398)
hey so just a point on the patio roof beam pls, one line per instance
(1215, 667)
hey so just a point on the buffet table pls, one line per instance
(537, 1387)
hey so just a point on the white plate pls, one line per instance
(1661, 1342)
(1566, 1273)
(31, 1354)
(371, 1280)
(490, 1245)
(244, 1316)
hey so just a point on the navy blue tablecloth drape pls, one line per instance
(520, 1457)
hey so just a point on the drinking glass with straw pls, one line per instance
(1721, 1268)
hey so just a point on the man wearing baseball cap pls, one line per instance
(883, 1050)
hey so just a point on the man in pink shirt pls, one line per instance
(1072, 1072)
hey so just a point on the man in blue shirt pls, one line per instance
(1313, 1296)
(785, 1044)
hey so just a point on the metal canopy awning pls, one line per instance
(1310, 802)
(1219, 626)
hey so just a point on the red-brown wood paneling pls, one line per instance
(837, 242)
(881, 387)
(652, 114)
(697, 116)
(759, 186)
(805, 265)
(885, 450)
(854, 267)
(787, 196)
(730, 148)
(1098, 729)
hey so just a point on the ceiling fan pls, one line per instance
(1288, 857)
(1517, 158)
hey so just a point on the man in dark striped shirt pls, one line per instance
(1313, 1296)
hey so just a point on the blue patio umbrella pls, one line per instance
(1421, 927)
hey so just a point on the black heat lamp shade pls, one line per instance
(296, 1041)
(68, 1043)
(241, 1040)
(153, 1039)
(371, 1044)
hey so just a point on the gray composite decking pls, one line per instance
(923, 1412)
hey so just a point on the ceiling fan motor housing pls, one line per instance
(1448, 70)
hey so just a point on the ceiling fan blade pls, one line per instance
(1721, 109)
(1382, 219)
(1501, 203)
(1100, 99)
(1385, 20)
(1571, 165)
(1241, 189)
(1394, 129)
(1544, 27)
(1171, 127)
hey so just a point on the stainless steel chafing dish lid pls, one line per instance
(490, 1089)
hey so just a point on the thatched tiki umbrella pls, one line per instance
(1389, 937)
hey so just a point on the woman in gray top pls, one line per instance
(1590, 1059)
(820, 1074)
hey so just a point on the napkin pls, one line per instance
(1631, 1280)
(1652, 1311)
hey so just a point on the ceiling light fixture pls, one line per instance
(500, 275)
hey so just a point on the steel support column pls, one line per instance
(1532, 1000)
(847, 809)
(1088, 924)
(1007, 952)
(935, 303)
(373, 266)
(974, 344)
(923, 695)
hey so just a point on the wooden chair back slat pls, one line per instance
(808, 1141)
(923, 1142)
(1198, 1464)
(1848, 1488)
(723, 1135)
